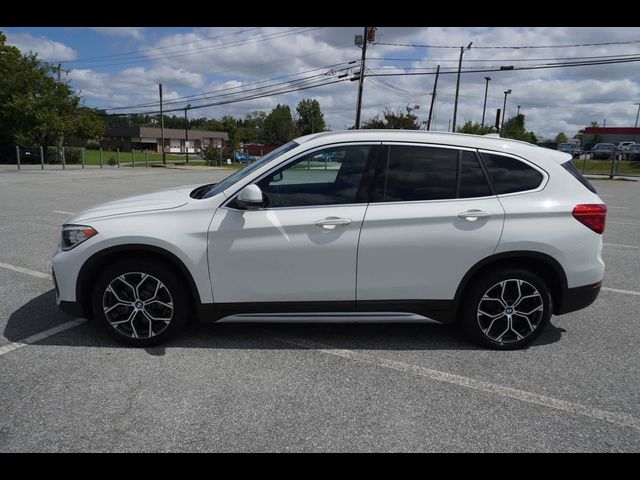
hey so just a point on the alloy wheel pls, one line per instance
(510, 311)
(137, 305)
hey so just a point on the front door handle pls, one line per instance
(332, 222)
(473, 215)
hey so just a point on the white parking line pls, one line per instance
(28, 271)
(40, 336)
(625, 223)
(522, 395)
(617, 290)
(619, 245)
(62, 212)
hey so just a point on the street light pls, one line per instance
(518, 109)
(486, 89)
(186, 131)
(504, 109)
(455, 106)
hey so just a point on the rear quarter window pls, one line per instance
(510, 175)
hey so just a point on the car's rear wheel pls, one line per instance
(141, 303)
(507, 309)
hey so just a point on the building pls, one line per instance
(150, 138)
(591, 135)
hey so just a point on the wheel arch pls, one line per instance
(92, 266)
(547, 267)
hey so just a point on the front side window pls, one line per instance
(510, 175)
(328, 177)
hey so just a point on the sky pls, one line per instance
(116, 67)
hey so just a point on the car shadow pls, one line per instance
(41, 313)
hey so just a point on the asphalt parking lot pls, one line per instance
(302, 387)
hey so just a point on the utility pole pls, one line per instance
(637, 115)
(486, 90)
(164, 156)
(186, 131)
(518, 109)
(433, 98)
(504, 109)
(455, 105)
(361, 79)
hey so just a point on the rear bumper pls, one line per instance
(578, 298)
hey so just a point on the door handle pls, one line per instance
(332, 222)
(473, 215)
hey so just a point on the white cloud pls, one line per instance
(47, 49)
(131, 32)
(553, 100)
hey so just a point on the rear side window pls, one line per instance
(473, 183)
(420, 173)
(571, 168)
(510, 175)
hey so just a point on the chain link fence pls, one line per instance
(616, 164)
(81, 157)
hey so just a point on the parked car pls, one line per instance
(570, 147)
(603, 151)
(633, 153)
(494, 233)
(624, 146)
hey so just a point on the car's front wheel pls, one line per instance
(507, 309)
(141, 303)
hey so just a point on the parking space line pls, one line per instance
(40, 336)
(617, 290)
(62, 212)
(619, 245)
(621, 419)
(625, 223)
(28, 271)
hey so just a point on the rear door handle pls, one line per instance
(332, 222)
(473, 215)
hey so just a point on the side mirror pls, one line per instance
(250, 197)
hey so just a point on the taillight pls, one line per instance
(593, 216)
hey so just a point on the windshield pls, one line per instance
(240, 174)
(605, 146)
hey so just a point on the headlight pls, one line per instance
(73, 235)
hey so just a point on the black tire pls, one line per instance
(176, 296)
(527, 283)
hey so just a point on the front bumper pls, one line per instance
(578, 298)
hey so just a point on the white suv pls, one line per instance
(354, 226)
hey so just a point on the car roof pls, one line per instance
(491, 142)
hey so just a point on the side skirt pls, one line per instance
(439, 311)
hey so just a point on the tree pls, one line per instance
(278, 126)
(310, 117)
(561, 138)
(36, 108)
(475, 128)
(394, 120)
(514, 128)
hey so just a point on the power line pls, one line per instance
(142, 50)
(145, 59)
(512, 68)
(225, 91)
(597, 57)
(517, 47)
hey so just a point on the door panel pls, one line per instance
(281, 255)
(421, 250)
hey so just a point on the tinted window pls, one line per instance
(510, 175)
(420, 173)
(328, 177)
(571, 168)
(473, 183)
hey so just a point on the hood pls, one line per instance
(161, 200)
